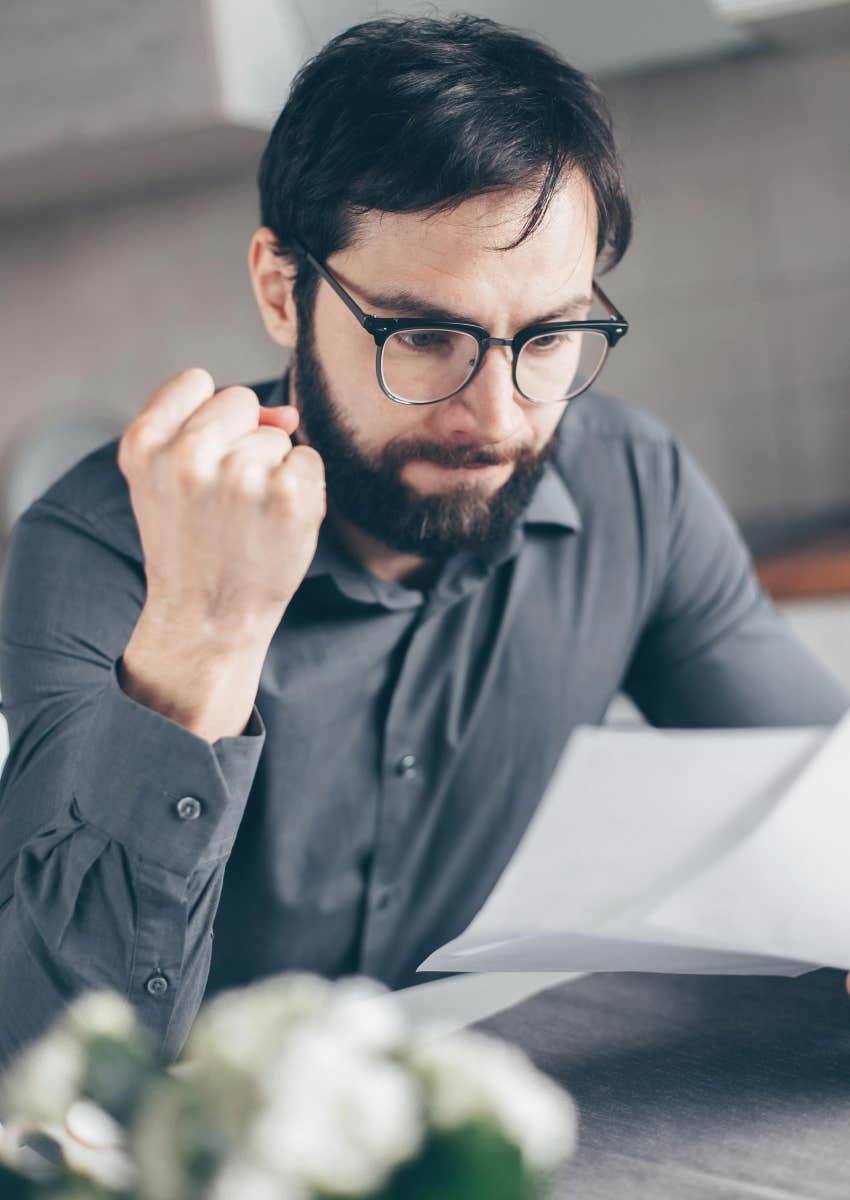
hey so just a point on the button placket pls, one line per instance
(383, 896)
(401, 780)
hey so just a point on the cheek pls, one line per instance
(543, 422)
(345, 350)
(349, 368)
(346, 353)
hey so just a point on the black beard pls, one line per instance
(368, 490)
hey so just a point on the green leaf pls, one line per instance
(14, 1186)
(117, 1075)
(474, 1162)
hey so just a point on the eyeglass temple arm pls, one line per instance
(349, 301)
(612, 308)
(353, 307)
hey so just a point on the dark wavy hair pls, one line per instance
(419, 114)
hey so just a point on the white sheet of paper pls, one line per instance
(453, 1002)
(785, 887)
(629, 817)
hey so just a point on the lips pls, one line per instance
(463, 466)
(473, 466)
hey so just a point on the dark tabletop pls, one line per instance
(697, 1087)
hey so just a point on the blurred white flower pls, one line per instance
(291, 1086)
(10, 1135)
(365, 1013)
(470, 1076)
(93, 1144)
(102, 1013)
(91, 1126)
(43, 1081)
(241, 1180)
(336, 1117)
(157, 1145)
(238, 1026)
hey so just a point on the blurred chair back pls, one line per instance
(38, 457)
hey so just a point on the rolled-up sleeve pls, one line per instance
(115, 822)
(715, 651)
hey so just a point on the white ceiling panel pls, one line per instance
(603, 37)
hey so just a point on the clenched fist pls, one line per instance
(228, 509)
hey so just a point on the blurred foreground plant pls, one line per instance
(293, 1088)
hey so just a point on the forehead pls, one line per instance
(456, 253)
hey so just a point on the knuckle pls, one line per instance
(198, 378)
(287, 489)
(281, 440)
(237, 393)
(124, 454)
(191, 456)
(273, 441)
(318, 468)
(191, 441)
(311, 462)
(242, 475)
(134, 443)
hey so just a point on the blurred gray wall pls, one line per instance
(737, 284)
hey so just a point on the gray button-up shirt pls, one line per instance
(400, 741)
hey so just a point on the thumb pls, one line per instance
(286, 417)
(847, 983)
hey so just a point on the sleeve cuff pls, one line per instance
(162, 792)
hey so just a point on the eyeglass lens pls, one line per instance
(423, 365)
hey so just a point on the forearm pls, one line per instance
(203, 682)
(116, 822)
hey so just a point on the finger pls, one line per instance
(265, 445)
(303, 462)
(172, 403)
(286, 417)
(224, 417)
(847, 983)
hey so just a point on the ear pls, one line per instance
(272, 278)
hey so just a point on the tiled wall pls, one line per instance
(100, 305)
(737, 284)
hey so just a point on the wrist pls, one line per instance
(208, 687)
(211, 639)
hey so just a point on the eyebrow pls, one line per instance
(405, 303)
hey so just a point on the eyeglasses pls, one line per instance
(423, 361)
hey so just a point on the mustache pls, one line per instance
(453, 456)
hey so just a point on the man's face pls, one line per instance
(434, 479)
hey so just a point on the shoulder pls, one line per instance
(597, 418)
(616, 457)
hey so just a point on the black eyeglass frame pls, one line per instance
(381, 328)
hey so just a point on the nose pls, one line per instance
(486, 411)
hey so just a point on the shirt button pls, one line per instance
(188, 808)
(383, 897)
(157, 985)
(406, 766)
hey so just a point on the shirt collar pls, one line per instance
(552, 502)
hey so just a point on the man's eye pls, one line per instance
(424, 339)
(549, 341)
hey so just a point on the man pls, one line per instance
(299, 660)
